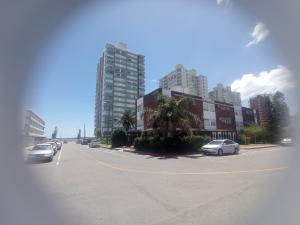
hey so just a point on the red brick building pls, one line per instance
(149, 102)
(261, 104)
(225, 115)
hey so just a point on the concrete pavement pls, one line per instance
(101, 186)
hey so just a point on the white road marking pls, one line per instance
(58, 160)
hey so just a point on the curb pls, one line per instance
(258, 147)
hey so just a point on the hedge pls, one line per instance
(170, 144)
(118, 138)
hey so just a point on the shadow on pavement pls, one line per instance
(164, 156)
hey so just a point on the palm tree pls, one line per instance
(171, 114)
(127, 120)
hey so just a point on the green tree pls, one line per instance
(171, 114)
(257, 133)
(79, 134)
(279, 116)
(54, 134)
(127, 120)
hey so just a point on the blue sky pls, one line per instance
(209, 37)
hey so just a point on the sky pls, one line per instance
(212, 37)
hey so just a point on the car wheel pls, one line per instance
(220, 152)
(50, 159)
(236, 151)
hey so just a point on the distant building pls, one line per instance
(224, 94)
(249, 117)
(120, 82)
(261, 104)
(33, 128)
(185, 81)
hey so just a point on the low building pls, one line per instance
(149, 102)
(239, 120)
(33, 128)
(225, 118)
(220, 120)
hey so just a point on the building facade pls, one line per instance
(261, 104)
(120, 82)
(185, 81)
(33, 128)
(249, 116)
(224, 94)
(239, 119)
(220, 119)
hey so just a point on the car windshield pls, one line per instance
(215, 142)
(41, 147)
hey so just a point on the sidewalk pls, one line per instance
(257, 146)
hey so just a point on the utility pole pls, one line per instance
(84, 130)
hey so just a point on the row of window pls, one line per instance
(209, 123)
(208, 107)
(225, 108)
(226, 120)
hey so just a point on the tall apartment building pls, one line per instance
(185, 81)
(261, 105)
(224, 94)
(120, 82)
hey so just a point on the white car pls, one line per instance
(94, 144)
(54, 146)
(41, 152)
(220, 147)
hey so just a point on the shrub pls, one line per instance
(118, 138)
(168, 145)
(196, 142)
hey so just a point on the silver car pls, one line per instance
(94, 144)
(220, 147)
(54, 146)
(58, 143)
(41, 152)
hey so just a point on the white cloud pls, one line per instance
(219, 2)
(278, 79)
(259, 34)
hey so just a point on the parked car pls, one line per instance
(78, 141)
(220, 147)
(54, 146)
(94, 144)
(41, 152)
(65, 141)
(58, 143)
(286, 141)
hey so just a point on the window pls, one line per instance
(225, 120)
(206, 123)
(140, 108)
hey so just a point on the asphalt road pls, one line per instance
(103, 187)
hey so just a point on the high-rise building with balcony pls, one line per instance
(120, 82)
(185, 81)
(224, 94)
